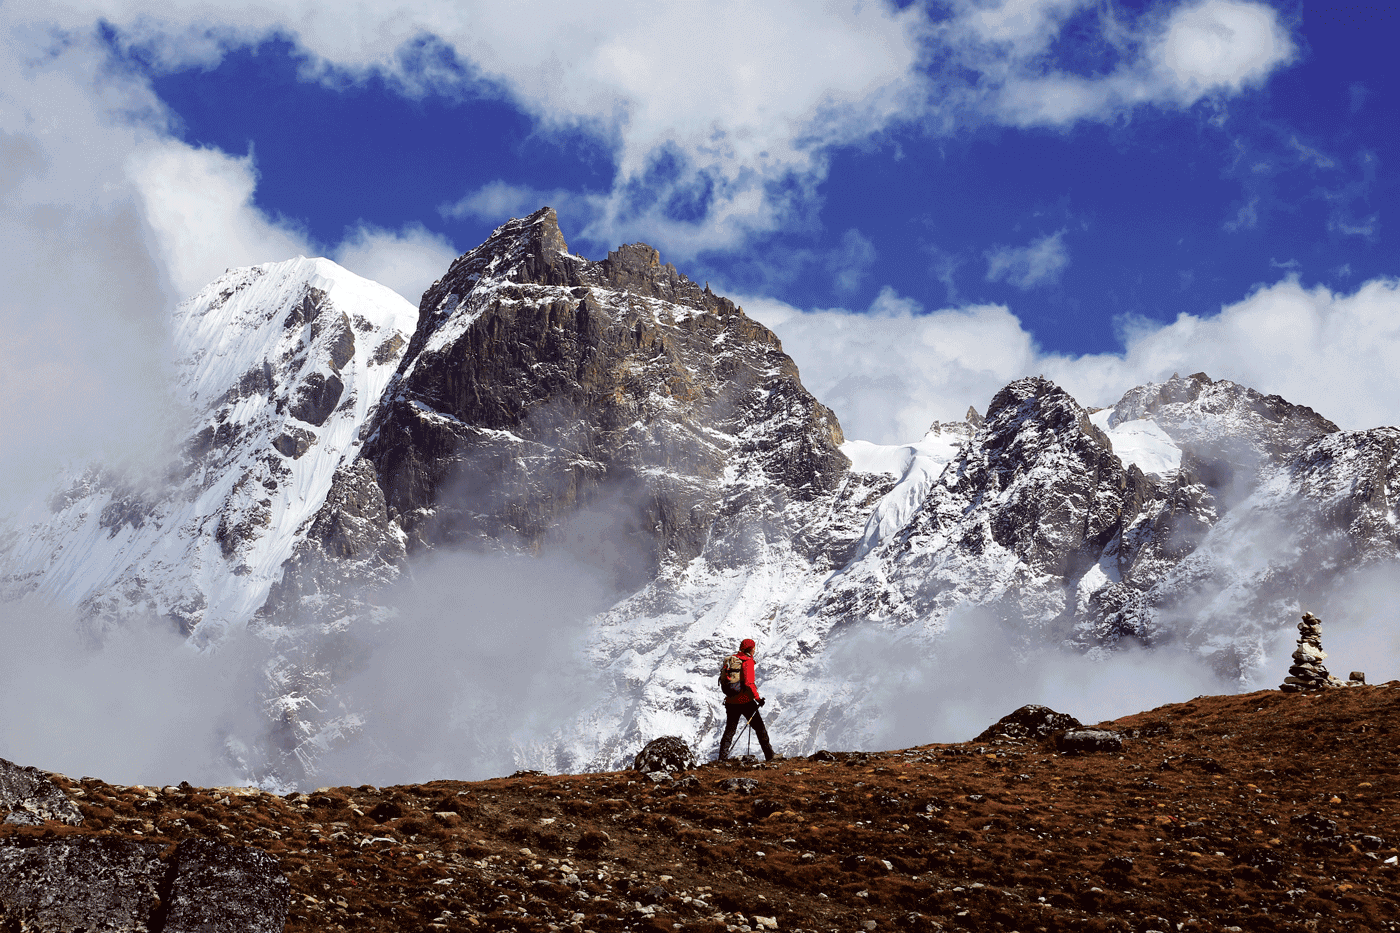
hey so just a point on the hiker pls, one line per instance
(743, 702)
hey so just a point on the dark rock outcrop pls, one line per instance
(668, 753)
(109, 885)
(26, 791)
(1031, 721)
(226, 889)
(86, 884)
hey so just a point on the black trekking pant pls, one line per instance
(736, 711)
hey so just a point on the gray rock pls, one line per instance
(294, 441)
(226, 889)
(668, 753)
(740, 785)
(316, 398)
(27, 790)
(93, 885)
(1089, 740)
(106, 885)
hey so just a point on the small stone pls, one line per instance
(1357, 677)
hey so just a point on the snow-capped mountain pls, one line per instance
(618, 413)
(279, 366)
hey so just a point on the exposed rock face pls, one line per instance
(1230, 432)
(541, 388)
(1038, 489)
(226, 889)
(1079, 741)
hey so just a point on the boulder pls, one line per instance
(90, 884)
(226, 889)
(1029, 722)
(100, 884)
(1089, 740)
(668, 753)
(27, 791)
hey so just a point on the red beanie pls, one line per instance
(746, 645)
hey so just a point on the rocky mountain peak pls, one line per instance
(541, 386)
(1227, 432)
(1041, 481)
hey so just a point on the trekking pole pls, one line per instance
(748, 726)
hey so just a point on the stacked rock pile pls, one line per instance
(1308, 672)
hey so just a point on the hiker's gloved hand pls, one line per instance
(761, 701)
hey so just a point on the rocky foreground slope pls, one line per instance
(1262, 812)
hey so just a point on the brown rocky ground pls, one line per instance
(1258, 812)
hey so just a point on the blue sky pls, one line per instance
(924, 200)
(1150, 212)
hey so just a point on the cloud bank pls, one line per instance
(890, 369)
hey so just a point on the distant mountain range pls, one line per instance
(623, 416)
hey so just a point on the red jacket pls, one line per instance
(749, 693)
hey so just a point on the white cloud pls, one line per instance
(1039, 263)
(497, 201)
(721, 116)
(1247, 218)
(1203, 49)
(199, 205)
(888, 372)
(83, 363)
(408, 261)
(711, 104)
(1219, 45)
(106, 222)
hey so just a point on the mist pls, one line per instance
(135, 704)
(485, 655)
(949, 687)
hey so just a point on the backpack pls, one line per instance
(731, 675)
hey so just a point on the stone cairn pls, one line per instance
(1308, 672)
